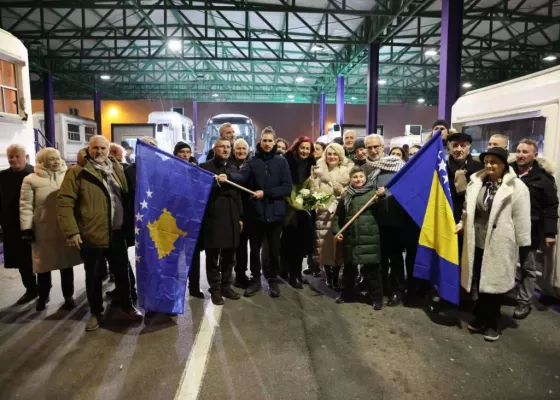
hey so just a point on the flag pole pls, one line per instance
(360, 211)
(238, 186)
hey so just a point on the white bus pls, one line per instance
(526, 107)
(242, 125)
(16, 126)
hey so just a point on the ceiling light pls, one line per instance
(421, 100)
(175, 45)
(215, 95)
(291, 96)
(300, 79)
(105, 77)
(431, 53)
(467, 85)
(353, 98)
(317, 47)
(382, 82)
(550, 58)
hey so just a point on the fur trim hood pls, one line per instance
(41, 171)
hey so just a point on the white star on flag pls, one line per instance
(445, 178)
(149, 193)
(144, 204)
(138, 258)
(136, 230)
(139, 217)
(442, 165)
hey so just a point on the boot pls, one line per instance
(335, 280)
(42, 303)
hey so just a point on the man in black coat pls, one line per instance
(17, 252)
(221, 226)
(268, 174)
(544, 218)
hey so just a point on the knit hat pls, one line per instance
(499, 152)
(460, 136)
(180, 146)
(441, 122)
(359, 144)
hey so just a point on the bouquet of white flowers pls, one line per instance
(308, 200)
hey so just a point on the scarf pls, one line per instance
(490, 193)
(114, 189)
(352, 192)
(390, 163)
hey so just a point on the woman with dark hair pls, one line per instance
(399, 152)
(282, 146)
(318, 149)
(297, 236)
(413, 149)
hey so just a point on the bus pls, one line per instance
(242, 124)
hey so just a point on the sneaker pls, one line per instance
(253, 288)
(132, 313)
(217, 299)
(42, 303)
(491, 335)
(69, 303)
(476, 326)
(377, 305)
(93, 322)
(273, 289)
(522, 311)
(27, 297)
(229, 293)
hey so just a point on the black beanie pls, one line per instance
(180, 146)
(440, 122)
(359, 144)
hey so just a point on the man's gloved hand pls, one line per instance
(28, 235)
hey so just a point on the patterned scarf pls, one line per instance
(113, 186)
(490, 193)
(352, 192)
(390, 163)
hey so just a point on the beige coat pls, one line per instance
(509, 227)
(331, 182)
(38, 212)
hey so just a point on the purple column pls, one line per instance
(322, 114)
(97, 111)
(195, 125)
(372, 89)
(450, 56)
(48, 108)
(340, 100)
(313, 121)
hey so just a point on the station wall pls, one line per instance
(289, 120)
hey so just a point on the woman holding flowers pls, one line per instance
(330, 178)
(297, 236)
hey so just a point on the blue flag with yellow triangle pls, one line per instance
(422, 188)
(171, 197)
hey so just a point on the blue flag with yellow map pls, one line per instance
(171, 196)
(422, 188)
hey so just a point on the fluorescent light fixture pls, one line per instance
(291, 96)
(174, 45)
(550, 58)
(317, 47)
(421, 100)
(105, 77)
(215, 95)
(300, 79)
(467, 85)
(382, 82)
(431, 53)
(353, 98)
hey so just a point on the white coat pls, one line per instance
(38, 212)
(509, 227)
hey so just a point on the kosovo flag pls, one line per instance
(171, 196)
(422, 188)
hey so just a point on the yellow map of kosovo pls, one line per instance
(164, 232)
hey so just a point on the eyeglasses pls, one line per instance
(373, 147)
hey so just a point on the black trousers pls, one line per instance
(219, 268)
(392, 260)
(117, 255)
(194, 272)
(28, 278)
(241, 254)
(44, 280)
(271, 231)
(373, 279)
(488, 305)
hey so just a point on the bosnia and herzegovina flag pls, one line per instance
(171, 197)
(422, 188)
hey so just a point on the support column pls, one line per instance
(195, 126)
(48, 109)
(340, 100)
(450, 56)
(372, 89)
(322, 114)
(97, 111)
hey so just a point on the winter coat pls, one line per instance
(270, 173)
(544, 200)
(509, 227)
(388, 212)
(84, 204)
(17, 253)
(220, 226)
(361, 242)
(38, 212)
(333, 182)
(470, 167)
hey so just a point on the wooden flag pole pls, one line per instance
(360, 211)
(237, 186)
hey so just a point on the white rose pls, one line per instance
(299, 201)
(305, 192)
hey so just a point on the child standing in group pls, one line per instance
(361, 241)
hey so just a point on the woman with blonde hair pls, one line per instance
(330, 176)
(39, 225)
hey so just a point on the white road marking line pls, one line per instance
(192, 378)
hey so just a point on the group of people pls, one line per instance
(505, 209)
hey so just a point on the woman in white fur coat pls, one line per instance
(497, 223)
(39, 225)
(330, 176)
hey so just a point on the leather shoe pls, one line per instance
(394, 300)
(69, 303)
(522, 311)
(196, 293)
(132, 313)
(42, 303)
(242, 282)
(217, 299)
(377, 305)
(273, 289)
(253, 289)
(229, 293)
(27, 297)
